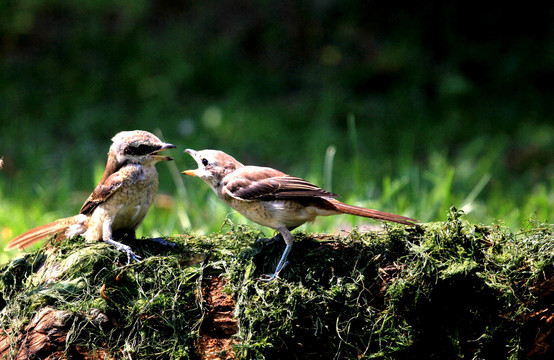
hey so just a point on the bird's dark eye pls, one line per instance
(205, 162)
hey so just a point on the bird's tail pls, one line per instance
(41, 232)
(369, 213)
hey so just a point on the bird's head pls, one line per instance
(138, 147)
(213, 165)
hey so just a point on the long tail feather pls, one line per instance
(369, 213)
(32, 236)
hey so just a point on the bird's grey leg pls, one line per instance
(107, 237)
(289, 240)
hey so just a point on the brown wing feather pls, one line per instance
(255, 183)
(102, 192)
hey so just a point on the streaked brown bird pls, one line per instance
(121, 199)
(272, 198)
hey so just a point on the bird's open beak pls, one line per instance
(190, 172)
(159, 157)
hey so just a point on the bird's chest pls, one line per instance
(134, 200)
(274, 213)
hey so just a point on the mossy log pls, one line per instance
(440, 291)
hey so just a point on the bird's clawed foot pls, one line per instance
(125, 249)
(275, 276)
(280, 266)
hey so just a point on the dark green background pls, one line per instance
(402, 90)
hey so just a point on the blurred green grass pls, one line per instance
(474, 180)
(375, 115)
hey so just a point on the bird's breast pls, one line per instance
(274, 213)
(128, 206)
(135, 200)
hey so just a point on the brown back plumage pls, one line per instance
(32, 236)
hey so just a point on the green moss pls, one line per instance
(448, 289)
